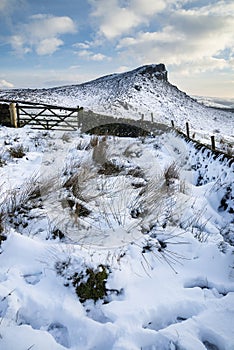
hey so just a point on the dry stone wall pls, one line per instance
(5, 118)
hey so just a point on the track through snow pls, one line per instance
(155, 211)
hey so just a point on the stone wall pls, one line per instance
(5, 118)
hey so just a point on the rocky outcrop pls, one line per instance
(157, 70)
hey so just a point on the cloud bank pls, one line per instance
(42, 34)
(5, 84)
(115, 17)
(185, 34)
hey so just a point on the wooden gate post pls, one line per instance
(212, 143)
(13, 114)
(79, 116)
(18, 115)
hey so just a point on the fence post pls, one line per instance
(187, 129)
(142, 120)
(81, 118)
(212, 143)
(18, 115)
(152, 117)
(13, 114)
(78, 116)
(172, 124)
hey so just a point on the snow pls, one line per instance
(216, 102)
(170, 264)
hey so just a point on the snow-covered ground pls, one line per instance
(115, 243)
(216, 101)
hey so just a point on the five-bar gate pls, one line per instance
(48, 117)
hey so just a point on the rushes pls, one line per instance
(78, 183)
(97, 196)
(16, 204)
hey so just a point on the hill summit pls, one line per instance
(142, 91)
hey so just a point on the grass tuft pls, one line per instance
(17, 151)
(171, 173)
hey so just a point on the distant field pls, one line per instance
(225, 104)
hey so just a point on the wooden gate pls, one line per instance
(48, 117)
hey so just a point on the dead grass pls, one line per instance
(2, 161)
(18, 202)
(17, 152)
(171, 173)
(109, 168)
(136, 172)
(78, 183)
(94, 141)
(1, 223)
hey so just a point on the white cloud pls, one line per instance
(194, 38)
(43, 26)
(74, 67)
(39, 78)
(90, 56)
(42, 34)
(149, 7)
(217, 8)
(149, 39)
(48, 46)
(84, 53)
(5, 84)
(83, 46)
(98, 57)
(117, 17)
(18, 44)
(9, 6)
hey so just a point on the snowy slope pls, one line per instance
(144, 90)
(165, 239)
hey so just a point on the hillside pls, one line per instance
(117, 243)
(144, 90)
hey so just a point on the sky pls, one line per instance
(45, 43)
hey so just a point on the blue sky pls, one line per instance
(47, 43)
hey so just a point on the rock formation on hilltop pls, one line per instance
(157, 70)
